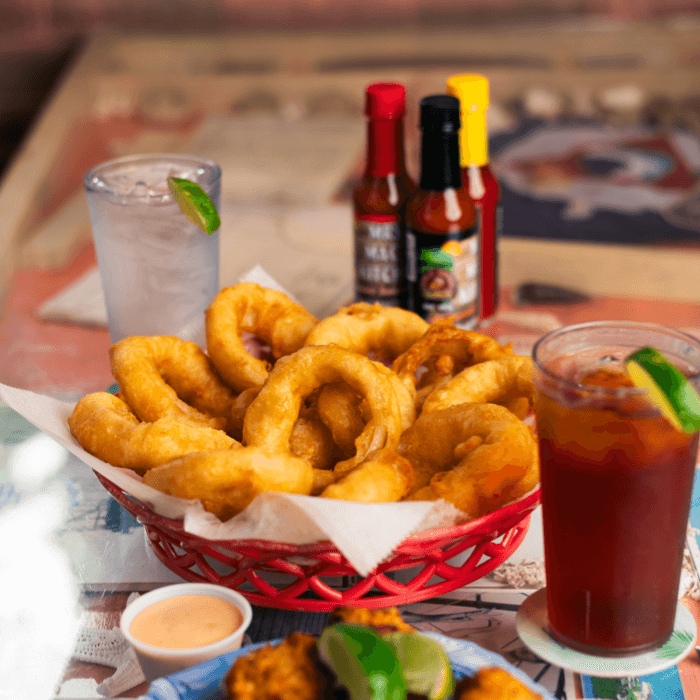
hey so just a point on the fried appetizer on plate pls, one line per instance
(383, 620)
(363, 655)
(493, 684)
(287, 671)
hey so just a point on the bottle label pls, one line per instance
(442, 271)
(378, 258)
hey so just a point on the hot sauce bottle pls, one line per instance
(380, 199)
(441, 235)
(472, 91)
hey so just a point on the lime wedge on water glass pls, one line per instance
(668, 388)
(195, 204)
(363, 662)
(425, 665)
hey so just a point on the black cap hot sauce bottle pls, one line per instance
(441, 233)
(380, 199)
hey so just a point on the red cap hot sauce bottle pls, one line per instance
(441, 235)
(380, 199)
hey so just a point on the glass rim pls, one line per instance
(619, 392)
(146, 157)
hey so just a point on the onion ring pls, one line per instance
(266, 313)
(343, 411)
(507, 382)
(383, 477)
(529, 481)
(270, 419)
(444, 338)
(405, 394)
(369, 329)
(227, 482)
(238, 410)
(311, 439)
(322, 479)
(165, 377)
(106, 427)
(468, 454)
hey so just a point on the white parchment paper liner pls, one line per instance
(364, 533)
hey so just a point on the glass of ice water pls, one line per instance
(159, 271)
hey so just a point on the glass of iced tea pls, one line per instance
(617, 479)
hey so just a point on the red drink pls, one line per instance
(617, 479)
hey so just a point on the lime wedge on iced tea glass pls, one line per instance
(668, 388)
(195, 204)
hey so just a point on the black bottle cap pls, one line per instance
(440, 163)
(440, 113)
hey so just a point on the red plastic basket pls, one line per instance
(317, 577)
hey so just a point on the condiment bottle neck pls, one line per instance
(473, 142)
(385, 147)
(440, 166)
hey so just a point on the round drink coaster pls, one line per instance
(532, 625)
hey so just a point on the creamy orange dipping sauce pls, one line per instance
(186, 622)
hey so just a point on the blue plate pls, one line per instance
(203, 682)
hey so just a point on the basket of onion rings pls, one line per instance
(371, 405)
(317, 578)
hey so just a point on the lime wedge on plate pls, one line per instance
(426, 668)
(668, 388)
(363, 662)
(195, 204)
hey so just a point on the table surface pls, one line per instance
(108, 552)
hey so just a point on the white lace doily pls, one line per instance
(109, 648)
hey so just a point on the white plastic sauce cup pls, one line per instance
(157, 662)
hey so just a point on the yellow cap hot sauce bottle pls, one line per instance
(472, 91)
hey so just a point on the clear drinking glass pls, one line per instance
(159, 271)
(617, 480)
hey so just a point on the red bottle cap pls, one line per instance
(385, 101)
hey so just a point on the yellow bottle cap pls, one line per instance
(472, 91)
